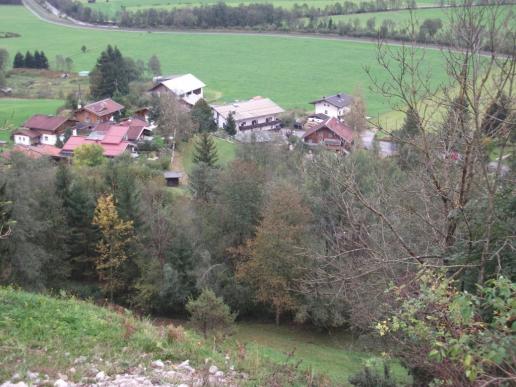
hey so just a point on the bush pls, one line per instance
(209, 313)
(175, 333)
(369, 377)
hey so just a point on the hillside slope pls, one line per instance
(66, 342)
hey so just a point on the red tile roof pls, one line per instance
(110, 150)
(28, 133)
(136, 127)
(337, 127)
(115, 134)
(42, 122)
(103, 108)
(35, 152)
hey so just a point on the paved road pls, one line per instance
(48, 17)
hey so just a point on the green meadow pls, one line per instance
(14, 111)
(290, 70)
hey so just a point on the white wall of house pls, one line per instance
(48, 139)
(193, 96)
(221, 121)
(22, 140)
(330, 110)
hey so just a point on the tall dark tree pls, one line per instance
(110, 76)
(19, 61)
(202, 116)
(43, 62)
(230, 125)
(496, 116)
(29, 61)
(37, 60)
(205, 150)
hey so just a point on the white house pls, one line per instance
(333, 106)
(187, 87)
(41, 129)
(256, 114)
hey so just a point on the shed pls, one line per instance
(172, 178)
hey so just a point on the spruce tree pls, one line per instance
(29, 60)
(37, 60)
(202, 117)
(19, 61)
(43, 61)
(230, 125)
(205, 150)
(110, 76)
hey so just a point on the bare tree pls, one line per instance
(424, 216)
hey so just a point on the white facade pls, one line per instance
(48, 139)
(187, 87)
(21, 139)
(256, 114)
(330, 110)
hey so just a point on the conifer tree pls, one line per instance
(43, 61)
(29, 62)
(205, 150)
(112, 247)
(19, 61)
(230, 125)
(37, 60)
(110, 75)
(202, 117)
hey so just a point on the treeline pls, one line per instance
(265, 16)
(77, 10)
(38, 60)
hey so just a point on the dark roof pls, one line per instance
(104, 107)
(172, 175)
(320, 116)
(42, 122)
(28, 133)
(339, 100)
(337, 127)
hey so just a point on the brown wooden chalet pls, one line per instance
(100, 111)
(332, 134)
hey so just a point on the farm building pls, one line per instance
(172, 178)
(256, 114)
(332, 134)
(333, 106)
(100, 111)
(113, 141)
(42, 129)
(187, 87)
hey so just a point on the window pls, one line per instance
(268, 119)
(255, 122)
(45, 138)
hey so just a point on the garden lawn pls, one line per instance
(14, 111)
(290, 70)
(333, 355)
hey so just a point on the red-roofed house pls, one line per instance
(34, 152)
(332, 134)
(113, 141)
(100, 111)
(42, 129)
(138, 129)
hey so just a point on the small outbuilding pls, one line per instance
(172, 178)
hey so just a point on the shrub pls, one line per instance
(370, 377)
(175, 333)
(209, 313)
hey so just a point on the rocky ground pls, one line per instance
(157, 373)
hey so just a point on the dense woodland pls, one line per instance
(416, 250)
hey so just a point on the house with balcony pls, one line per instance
(42, 129)
(100, 111)
(337, 105)
(113, 141)
(187, 88)
(331, 134)
(256, 114)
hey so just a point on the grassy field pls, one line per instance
(110, 8)
(290, 70)
(14, 111)
(336, 356)
(402, 18)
